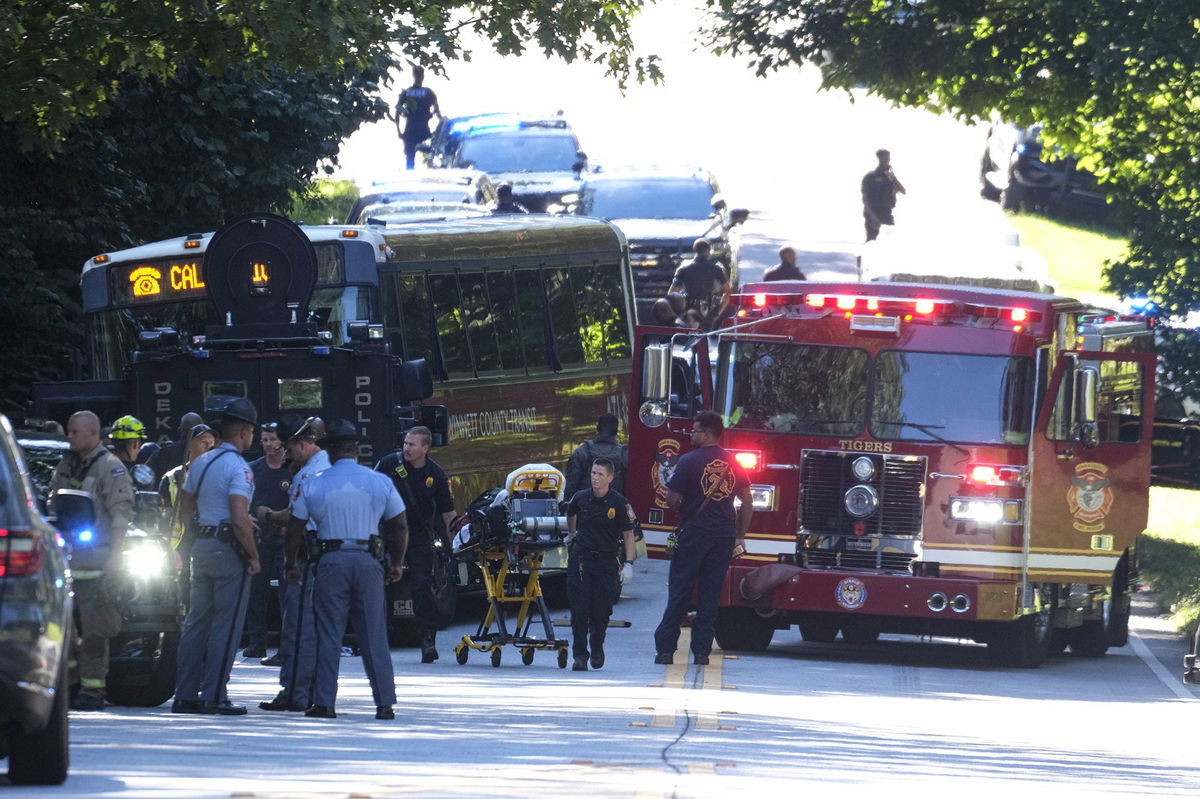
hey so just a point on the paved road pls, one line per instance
(897, 716)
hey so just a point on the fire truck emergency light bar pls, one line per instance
(886, 311)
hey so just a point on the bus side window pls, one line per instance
(605, 333)
(531, 305)
(452, 335)
(415, 320)
(481, 328)
(504, 309)
(567, 330)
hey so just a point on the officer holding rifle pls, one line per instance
(346, 504)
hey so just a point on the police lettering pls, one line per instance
(865, 446)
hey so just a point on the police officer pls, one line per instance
(506, 203)
(346, 503)
(218, 488)
(298, 634)
(600, 523)
(425, 490)
(272, 483)
(89, 467)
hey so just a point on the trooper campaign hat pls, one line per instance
(241, 409)
(293, 425)
(339, 430)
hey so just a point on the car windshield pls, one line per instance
(797, 388)
(41, 456)
(519, 152)
(647, 199)
(937, 396)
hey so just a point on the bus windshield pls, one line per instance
(112, 332)
(934, 396)
(793, 388)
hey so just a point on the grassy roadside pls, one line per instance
(324, 201)
(1169, 553)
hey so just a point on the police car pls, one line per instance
(424, 196)
(662, 211)
(538, 155)
(35, 622)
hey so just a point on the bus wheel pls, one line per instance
(1025, 643)
(743, 630)
(819, 631)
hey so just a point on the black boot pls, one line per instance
(429, 651)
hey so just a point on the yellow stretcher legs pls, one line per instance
(503, 568)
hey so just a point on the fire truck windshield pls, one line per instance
(793, 388)
(936, 396)
(915, 396)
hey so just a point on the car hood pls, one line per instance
(665, 231)
(539, 182)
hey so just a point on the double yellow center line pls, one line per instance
(712, 679)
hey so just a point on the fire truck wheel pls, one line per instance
(819, 631)
(1089, 640)
(1117, 632)
(1025, 643)
(743, 630)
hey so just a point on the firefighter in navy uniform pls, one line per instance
(600, 522)
(89, 467)
(425, 490)
(218, 489)
(346, 504)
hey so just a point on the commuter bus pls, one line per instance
(525, 322)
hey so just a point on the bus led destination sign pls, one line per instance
(158, 281)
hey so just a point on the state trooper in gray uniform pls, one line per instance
(346, 503)
(218, 489)
(297, 634)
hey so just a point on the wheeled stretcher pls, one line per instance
(508, 539)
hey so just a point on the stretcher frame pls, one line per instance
(497, 562)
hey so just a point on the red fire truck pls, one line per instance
(940, 460)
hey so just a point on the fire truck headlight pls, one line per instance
(861, 501)
(653, 413)
(762, 498)
(985, 510)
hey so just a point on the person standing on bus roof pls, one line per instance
(604, 445)
(425, 489)
(711, 533)
(416, 107)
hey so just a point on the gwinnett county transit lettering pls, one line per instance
(492, 423)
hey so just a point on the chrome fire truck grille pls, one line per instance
(883, 561)
(825, 477)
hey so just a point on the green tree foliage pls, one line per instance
(1113, 81)
(170, 158)
(60, 60)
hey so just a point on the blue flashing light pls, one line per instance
(487, 122)
(201, 354)
(85, 536)
(322, 349)
(1143, 304)
(1020, 148)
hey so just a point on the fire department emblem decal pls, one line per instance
(662, 468)
(851, 593)
(1090, 497)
